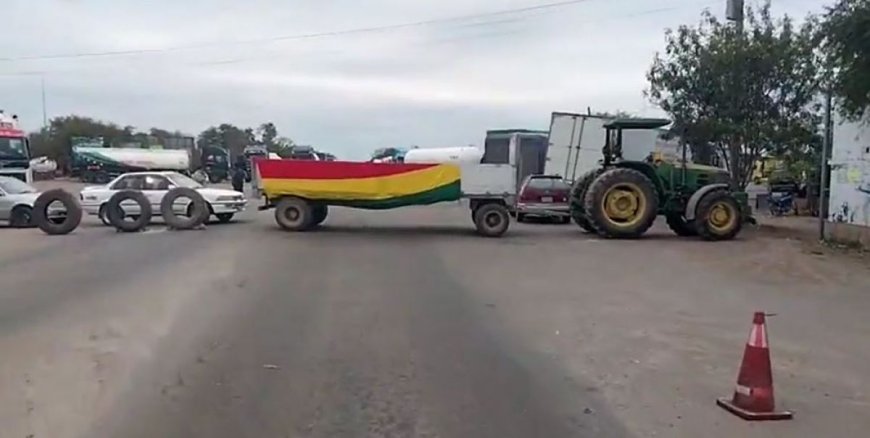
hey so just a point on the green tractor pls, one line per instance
(622, 198)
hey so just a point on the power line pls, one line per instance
(454, 39)
(384, 28)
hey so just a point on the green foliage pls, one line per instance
(742, 93)
(227, 136)
(845, 41)
(54, 141)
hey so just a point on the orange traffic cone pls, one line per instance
(753, 396)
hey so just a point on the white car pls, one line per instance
(16, 202)
(222, 203)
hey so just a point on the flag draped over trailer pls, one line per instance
(360, 185)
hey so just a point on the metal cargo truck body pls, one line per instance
(525, 150)
(575, 143)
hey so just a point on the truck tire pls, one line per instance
(621, 203)
(717, 216)
(197, 211)
(679, 225)
(578, 195)
(492, 220)
(21, 217)
(115, 212)
(318, 214)
(54, 226)
(294, 214)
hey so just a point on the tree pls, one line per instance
(742, 92)
(227, 136)
(845, 42)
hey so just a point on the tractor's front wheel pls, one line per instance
(717, 216)
(578, 194)
(678, 224)
(621, 203)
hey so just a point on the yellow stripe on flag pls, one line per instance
(374, 188)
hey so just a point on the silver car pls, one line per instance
(16, 202)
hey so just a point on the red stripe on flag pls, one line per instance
(303, 169)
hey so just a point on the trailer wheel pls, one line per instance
(318, 214)
(51, 223)
(294, 214)
(115, 212)
(492, 220)
(197, 211)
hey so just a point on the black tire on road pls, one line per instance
(69, 222)
(717, 216)
(294, 214)
(198, 211)
(318, 214)
(116, 215)
(623, 180)
(224, 217)
(191, 211)
(578, 196)
(679, 225)
(21, 217)
(521, 217)
(492, 220)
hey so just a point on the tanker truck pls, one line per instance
(100, 165)
(14, 149)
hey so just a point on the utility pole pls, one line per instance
(734, 12)
(823, 163)
(44, 111)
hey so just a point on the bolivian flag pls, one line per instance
(361, 185)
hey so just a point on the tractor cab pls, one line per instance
(614, 135)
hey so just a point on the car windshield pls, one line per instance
(14, 186)
(548, 183)
(13, 148)
(183, 181)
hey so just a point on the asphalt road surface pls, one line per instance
(406, 324)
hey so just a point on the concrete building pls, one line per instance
(849, 206)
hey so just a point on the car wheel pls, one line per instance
(21, 217)
(104, 218)
(521, 217)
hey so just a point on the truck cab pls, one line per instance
(14, 150)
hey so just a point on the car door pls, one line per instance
(6, 204)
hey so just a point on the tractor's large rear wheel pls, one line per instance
(578, 194)
(717, 216)
(621, 203)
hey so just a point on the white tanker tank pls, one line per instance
(456, 155)
(101, 164)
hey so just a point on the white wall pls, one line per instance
(850, 175)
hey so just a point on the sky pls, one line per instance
(346, 76)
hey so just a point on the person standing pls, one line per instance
(238, 179)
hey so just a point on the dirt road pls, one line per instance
(405, 324)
